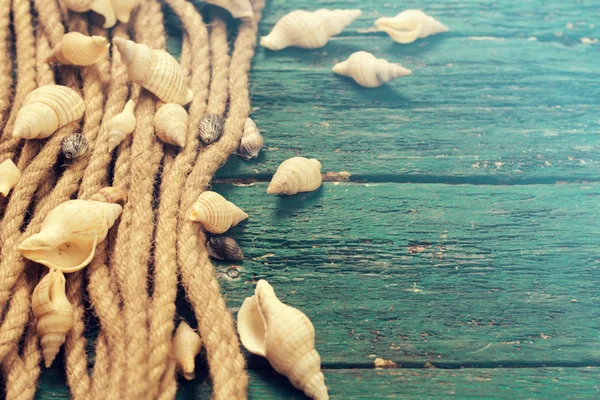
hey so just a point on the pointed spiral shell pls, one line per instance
(186, 346)
(171, 124)
(298, 174)
(102, 7)
(215, 213)
(251, 142)
(410, 25)
(237, 8)
(369, 71)
(121, 125)
(123, 9)
(78, 49)
(9, 176)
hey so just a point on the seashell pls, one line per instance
(171, 124)
(70, 234)
(224, 248)
(237, 8)
(186, 346)
(74, 145)
(251, 142)
(78, 49)
(410, 25)
(210, 128)
(121, 125)
(47, 109)
(9, 176)
(215, 213)
(102, 7)
(110, 194)
(298, 174)
(123, 9)
(155, 70)
(285, 337)
(309, 30)
(369, 71)
(54, 313)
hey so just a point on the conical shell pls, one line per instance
(285, 337)
(9, 176)
(123, 9)
(54, 313)
(121, 125)
(215, 213)
(73, 146)
(410, 25)
(155, 70)
(78, 49)
(252, 141)
(110, 194)
(171, 124)
(237, 8)
(47, 109)
(70, 234)
(309, 30)
(298, 174)
(210, 128)
(224, 248)
(102, 7)
(369, 71)
(186, 346)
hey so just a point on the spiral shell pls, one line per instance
(110, 194)
(210, 128)
(410, 25)
(47, 109)
(215, 213)
(121, 125)
(369, 71)
(224, 248)
(309, 30)
(54, 313)
(237, 8)
(78, 49)
(251, 142)
(73, 146)
(186, 346)
(171, 124)
(9, 176)
(285, 337)
(102, 7)
(123, 9)
(155, 70)
(298, 174)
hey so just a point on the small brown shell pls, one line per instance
(224, 248)
(210, 128)
(74, 145)
(252, 141)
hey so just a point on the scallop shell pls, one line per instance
(70, 234)
(298, 174)
(224, 248)
(171, 124)
(54, 313)
(78, 49)
(155, 70)
(102, 7)
(121, 125)
(47, 109)
(237, 8)
(285, 337)
(210, 128)
(369, 71)
(186, 346)
(9, 176)
(251, 142)
(110, 194)
(123, 9)
(215, 213)
(410, 25)
(309, 30)
(74, 145)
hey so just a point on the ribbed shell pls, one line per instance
(215, 213)
(369, 71)
(78, 49)
(123, 9)
(171, 124)
(74, 145)
(210, 128)
(102, 7)
(186, 346)
(9, 176)
(121, 125)
(110, 194)
(410, 25)
(298, 174)
(224, 248)
(252, 141)
(237, 8)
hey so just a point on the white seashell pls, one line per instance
(237, 8)
(123, 9)
(410, 25)
(186, 346)
(251, 142)
(78, 49)
(369, 71)
(215, 213)
(47, 109)
(70, 234)
(121, 125)
(171, 124)
(309, 30)
(102, 7)
(155, 70)
(285, 337)
(9, 176)
(298, 174)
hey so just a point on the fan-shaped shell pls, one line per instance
(224, 248)
(237, 8)
(298, 174)
(70, 234)
(186, 346)
(78, 49)
(210, 128)
(102, 7)
(74, 145)
(309, 30)
(284, 336)
(121, 125)
(171, 124)
(215, 213)
(110, 194)
(9, 176)
(123, 9)
(369, 71)
(251, 142)
(410, 25)
(155, 70)
(47, 109)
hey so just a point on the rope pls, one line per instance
(6, 66)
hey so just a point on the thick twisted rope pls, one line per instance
(6, 66)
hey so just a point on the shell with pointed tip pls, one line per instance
(215, 213)
(54, 313)
(284, 336)
(47, 109)
(121, 125)
(74, 145)
(410, 25)
(224, 248)
(171, 124)
(298, 174)
(155, 70)
(70, 234)
(186, 346)
(251, 142)
(369, 71)
(102, 7)
(123, 9)
(309, 30)
(237, 8)
(78, 49)
(210, 128)
(9, 176)
(110, 194)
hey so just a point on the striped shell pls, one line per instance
(78, 49)
(186, 346)
(74, 145)
(215, 213)
(224, 248)
(252, 141)
(9, 176)
(369, 71)
(298, 174)
(210, 128)
(171, 124)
